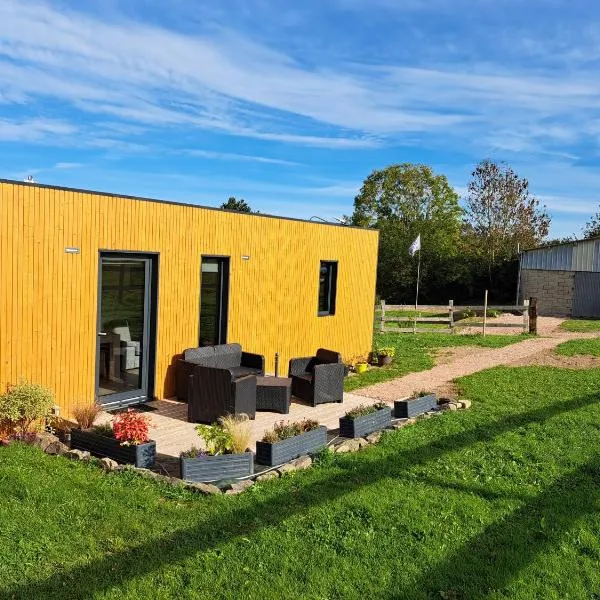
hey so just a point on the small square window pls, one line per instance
(327, 288)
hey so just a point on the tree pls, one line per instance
(501, 215)
(592, 227)
(403, 201)
(233, 204)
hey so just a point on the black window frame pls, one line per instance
(224, 263)
(331, 282)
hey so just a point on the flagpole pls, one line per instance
(418, 277)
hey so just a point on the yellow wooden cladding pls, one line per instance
(48, 298)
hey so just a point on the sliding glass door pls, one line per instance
(125, 337)
(214, 293)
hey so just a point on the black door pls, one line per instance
(126, 334)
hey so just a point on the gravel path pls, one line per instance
(478, 359)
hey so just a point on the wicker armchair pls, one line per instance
(224, 356)
(318, 379)
(214, 393)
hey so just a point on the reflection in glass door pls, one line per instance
(214, 291)
(124, 323)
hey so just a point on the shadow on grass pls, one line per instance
(102, 574)
(488, 562)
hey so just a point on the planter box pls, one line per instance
(361, 426)
(277, 453)
(406, 409)
(212, 468)
(142, 455)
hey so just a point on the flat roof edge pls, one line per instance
(569, 243)
(175, 203)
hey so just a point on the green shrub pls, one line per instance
(468, 313)
(105, 429)
(493, 313)
(386, 351)
(22, 405)
(218, 440)
(231, 435)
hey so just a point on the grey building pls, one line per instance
(565, 278)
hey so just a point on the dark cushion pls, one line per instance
(204, 356)
(325, 357)
(238, 372)
(310, 367)
(305, 376)
(228, 356)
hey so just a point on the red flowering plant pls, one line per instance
(131, 428)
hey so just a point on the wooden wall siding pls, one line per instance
(48, 299)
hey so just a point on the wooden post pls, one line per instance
(485, 298)
(533, 315)
(451, 315)
(382, 324)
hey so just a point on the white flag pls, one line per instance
(415, 246)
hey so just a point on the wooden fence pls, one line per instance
(450, 322)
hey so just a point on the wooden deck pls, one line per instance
(173, 433)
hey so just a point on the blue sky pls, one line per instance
(291, 105)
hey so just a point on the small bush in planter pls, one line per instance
(385, 355)
(288, 440)
(105, 430)
(226, 456)
(23, 406)
(420, 403)
(131, 428)
(284, 430)
(231, 435)
(365, 419)
(86, 414)
(125, 440)
(365, 409)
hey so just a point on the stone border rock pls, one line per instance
(50, 444)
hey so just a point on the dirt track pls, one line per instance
(457, 362)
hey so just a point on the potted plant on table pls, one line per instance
(365, 419)
(289, 440)
(125, 440)
(385, 355)
(226, 455)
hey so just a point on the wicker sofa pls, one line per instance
(318, 379)
(217, 380)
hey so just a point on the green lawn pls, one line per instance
(501, 501)
(576, 347)
(578, 325)
(414, 352)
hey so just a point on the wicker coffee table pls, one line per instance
(273, 394)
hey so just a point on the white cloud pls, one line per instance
(141, 77)
(144, 73)
(241, 157)
(67, 165)
(569, 205)
(28, 130)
